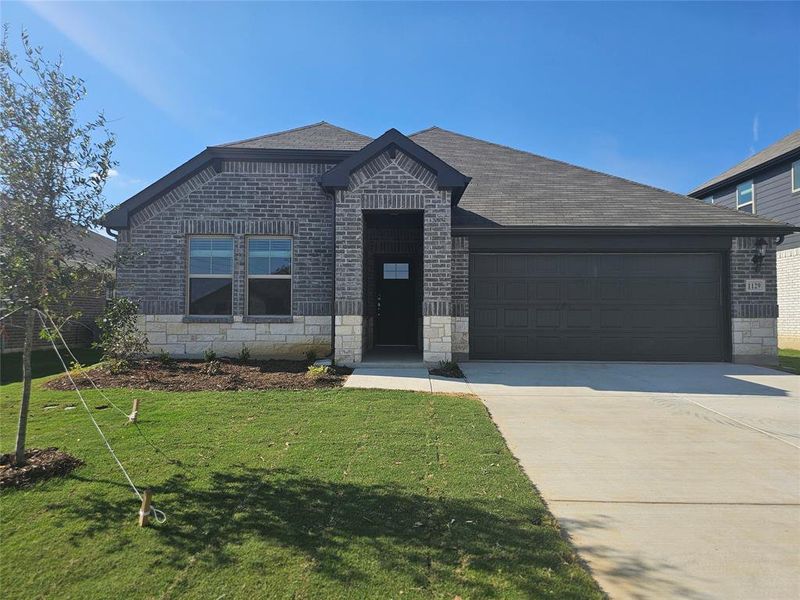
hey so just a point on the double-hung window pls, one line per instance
(269, 276)
(210, 275)
(746, 197)
(796, 176)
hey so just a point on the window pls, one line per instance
(796, 176)
(395, 270)
(269, 276)
(709, 199)
(746, 197)
(210, 275)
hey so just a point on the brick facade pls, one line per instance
(460, 297)
(393, 181)
(244, 198)
(276, 198)
(753, 314)
(788, 265)
(259, 198)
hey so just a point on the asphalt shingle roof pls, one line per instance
(514, 188)
(783, 146)
(318, 136)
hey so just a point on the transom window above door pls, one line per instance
(395, 270)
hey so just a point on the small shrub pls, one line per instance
(244, 355)
(165, 360)
(447, 368)
(209, 355)
(118, 365)
(213, 367)
(121, 340)
(311, 356)
(317, 371)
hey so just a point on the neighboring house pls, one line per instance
(768, 184)
(442, 243)
(90, 302)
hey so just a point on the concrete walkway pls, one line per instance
(404, 378)
(673, 481)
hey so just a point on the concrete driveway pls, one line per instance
(673, 481)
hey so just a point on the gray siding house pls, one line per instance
(768, 184)
(445, 245)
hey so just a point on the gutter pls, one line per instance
(727, 230)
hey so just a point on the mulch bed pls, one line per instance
(193, 376)
(40, 465)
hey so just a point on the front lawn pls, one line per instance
(312, 494)
(789, 360)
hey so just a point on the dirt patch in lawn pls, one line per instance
(197, 376)
(39, 465)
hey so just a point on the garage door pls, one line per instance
(597, 307)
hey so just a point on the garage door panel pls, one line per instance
(485, 317)
(578, 318)
(597, 306)
(547, 317)
(546, 290)
(515, 291)
(485, 264)
(515, 317)
(487, 291)
(515, 344)
(515, 264)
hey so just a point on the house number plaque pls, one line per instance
(755, 285)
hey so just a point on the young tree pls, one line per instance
(52, 172)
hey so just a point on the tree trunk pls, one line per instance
(19, 458)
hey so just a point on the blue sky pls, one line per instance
(666, 94)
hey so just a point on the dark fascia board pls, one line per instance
(702, 192)
(446, 176)
(733, 230)
(117, 218)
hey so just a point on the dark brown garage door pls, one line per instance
(597, 307)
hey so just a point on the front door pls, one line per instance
(395, 323)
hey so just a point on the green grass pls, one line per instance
(790, 360)
(321, 494)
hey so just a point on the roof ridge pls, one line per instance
(630, 181)
(273, 134)
(424, 130)
(292, 130)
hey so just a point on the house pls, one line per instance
(445, 244)
(768, 184)
(87, 299)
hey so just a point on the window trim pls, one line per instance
(248, 276)
(795, 173)
(740, 205)
(189, 276)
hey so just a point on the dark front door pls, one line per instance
(395, 324)
(597, 307)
